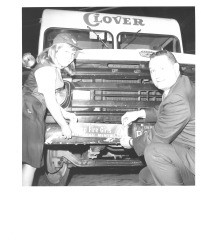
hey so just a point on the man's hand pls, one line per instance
(126, 142)
(131, 116)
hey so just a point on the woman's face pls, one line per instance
(65, 55)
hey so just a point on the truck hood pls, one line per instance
(127, 55)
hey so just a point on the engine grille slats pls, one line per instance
(113, 104)
(120, 86)
(116, 95)
(126, 96)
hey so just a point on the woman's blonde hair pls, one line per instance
(49, 54)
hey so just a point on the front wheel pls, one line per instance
(57, 168)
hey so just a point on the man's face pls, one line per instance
(163, 73)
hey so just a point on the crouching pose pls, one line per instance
(39, 95)
(169, 147)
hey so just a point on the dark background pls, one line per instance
(184, 15)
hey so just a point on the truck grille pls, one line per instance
(112, 98)
(127, 96)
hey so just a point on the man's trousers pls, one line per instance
(165, 166)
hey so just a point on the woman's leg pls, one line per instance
(27, 175)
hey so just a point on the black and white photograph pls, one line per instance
(100, 124)
(116, 105)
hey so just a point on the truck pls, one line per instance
(111, 77)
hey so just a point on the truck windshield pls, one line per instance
(147, 41)
(86, 39)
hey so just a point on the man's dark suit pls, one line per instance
(175, 123)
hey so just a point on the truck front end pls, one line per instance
(111, 77)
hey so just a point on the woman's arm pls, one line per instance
(67, 115)
(46, 78)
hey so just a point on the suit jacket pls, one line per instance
(175, 122)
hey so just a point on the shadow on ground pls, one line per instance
(104, 176)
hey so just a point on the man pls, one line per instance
(168, 148)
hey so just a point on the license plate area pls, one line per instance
(98, 130)
(94, 133)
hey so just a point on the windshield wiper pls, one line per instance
(98, 37)
(132, 39)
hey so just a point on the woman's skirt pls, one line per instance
(33, 131)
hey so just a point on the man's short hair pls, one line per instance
(166, 53)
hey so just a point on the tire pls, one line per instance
(57, 173)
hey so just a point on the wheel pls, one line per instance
(57, 168)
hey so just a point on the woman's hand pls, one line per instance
(66, 131)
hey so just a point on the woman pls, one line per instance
(39, 95)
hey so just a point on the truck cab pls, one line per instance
(111, 77)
